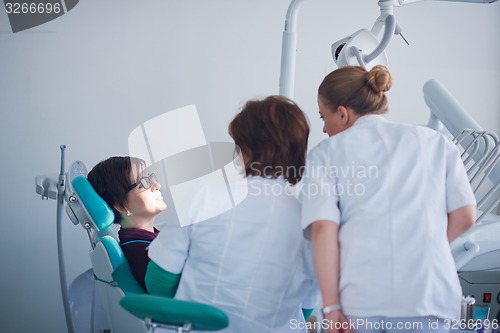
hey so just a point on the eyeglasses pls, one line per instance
(144, 182)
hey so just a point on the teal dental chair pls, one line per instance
(128, 307)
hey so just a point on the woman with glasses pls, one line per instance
(134, 196)
(381, 201)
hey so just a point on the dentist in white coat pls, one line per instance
(252, 260)
(381, 202)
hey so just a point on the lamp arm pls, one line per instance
(389, 30)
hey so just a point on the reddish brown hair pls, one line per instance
(272, 134)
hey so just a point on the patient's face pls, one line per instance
(144, 203)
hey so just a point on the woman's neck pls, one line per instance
(145, 224)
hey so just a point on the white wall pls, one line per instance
(91, 76)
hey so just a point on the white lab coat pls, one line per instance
(251, 261)
(390, 187)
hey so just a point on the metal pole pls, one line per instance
(61, 188)
(289, 50)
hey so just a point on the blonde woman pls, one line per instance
(381, 202)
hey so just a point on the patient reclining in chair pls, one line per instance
(134, 196)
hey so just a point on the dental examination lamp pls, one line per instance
(362, 48)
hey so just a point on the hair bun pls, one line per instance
(379, 79)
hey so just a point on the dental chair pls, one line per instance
(477, 251)
(128, 307)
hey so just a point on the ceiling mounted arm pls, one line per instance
(289, 42)
(289, 50)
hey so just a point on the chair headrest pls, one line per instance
(100, 214)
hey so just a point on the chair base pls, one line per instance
(151, 326)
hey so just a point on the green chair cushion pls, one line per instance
(170, 311)
(102, 215)
(126, 280)
(115, 253)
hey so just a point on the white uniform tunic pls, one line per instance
(390, 187)
(252, 261)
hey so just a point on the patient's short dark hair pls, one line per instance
(111, 179)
